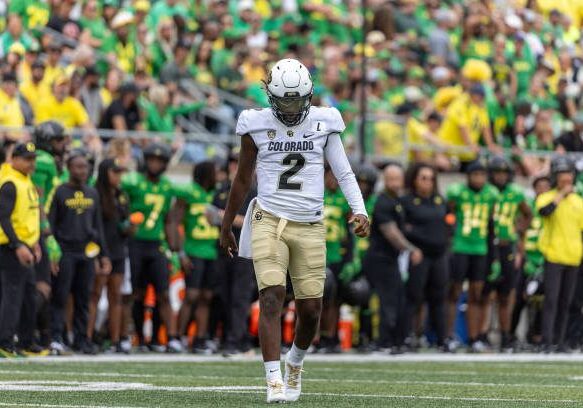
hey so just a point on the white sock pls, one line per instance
(296, 356)
(273, 370)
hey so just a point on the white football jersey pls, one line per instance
(290, 160)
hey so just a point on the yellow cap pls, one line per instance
(142, 5)
(476, 70)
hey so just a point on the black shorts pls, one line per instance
(508, 273)
(203, 274)
(118, 266)
(43, 268)
(149, 265)
(471, 267)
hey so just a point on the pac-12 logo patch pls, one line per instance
(258, 215)
(290, 133)
(271, 134)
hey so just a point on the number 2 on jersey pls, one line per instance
(298, 163)
(157, 202)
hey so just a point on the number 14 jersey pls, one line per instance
(290, 160)
(473, 210)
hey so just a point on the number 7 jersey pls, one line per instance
(290, 161)
(151, 199)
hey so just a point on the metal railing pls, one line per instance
(192, 136)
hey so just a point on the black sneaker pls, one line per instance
(446, 348)
(563, 349)
(201, 346)
(507, 344)
(328, 345)
(397, 350)
(547, 349)
(86, 347)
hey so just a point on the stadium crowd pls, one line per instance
(446, 81)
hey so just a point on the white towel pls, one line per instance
(245, 250)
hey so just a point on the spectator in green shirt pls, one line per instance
(160, 115)
(34, 13)
(162, 48)
(95, 31)
(14, 33)
(165, 9)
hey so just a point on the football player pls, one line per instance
(49, 138)
(473, 205)
(199, 252)
(151, 194)
(288, 144)
(505, 256)
(529, 286)
(336, 215)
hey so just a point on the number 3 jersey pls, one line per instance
(473, 210)
(200, 237)
(290, 162)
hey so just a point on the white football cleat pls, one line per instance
(275, 392)
(293, 381)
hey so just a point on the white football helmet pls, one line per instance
(289, 89)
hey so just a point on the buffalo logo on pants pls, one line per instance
(258, 215)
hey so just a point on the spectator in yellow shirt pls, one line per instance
(53, 68)
(467, 124)
(68, 111)
(427, 147)
(31, 55)
(11, 114)
(35, 90)
(253, 68)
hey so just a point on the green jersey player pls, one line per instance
(50, 140)
(473, 205)
(199, 256)
(151, 194)
(533, 265)
(336, 215)
(512, 215)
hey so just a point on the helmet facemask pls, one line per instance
(290, 110)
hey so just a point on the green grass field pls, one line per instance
(369, 381)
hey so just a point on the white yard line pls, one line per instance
(60, 385)
(67, 386)
(88, 374)
(377, 372)
(20, 404)
(88, 386)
